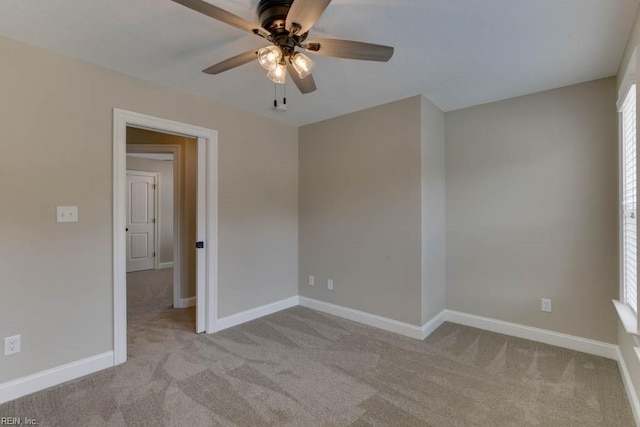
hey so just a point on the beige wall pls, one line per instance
(56, 115)
(532, 209)
(189, 161)
(433, 210)
(625, 341)
(165, 202)
(360, 216)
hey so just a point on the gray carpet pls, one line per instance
(304, 368)
(149, 291)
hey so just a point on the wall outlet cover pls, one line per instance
(67, 213)
(11, 345)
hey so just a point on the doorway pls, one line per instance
(152, 288)
(164, 153)
(206, 222)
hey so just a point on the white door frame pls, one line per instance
(156, 212)
(208, 146)
(178, 203)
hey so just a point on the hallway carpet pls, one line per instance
(300, 367)
(149, 291)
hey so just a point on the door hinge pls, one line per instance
(154, 186)
(200, 245)
(153, 220)
(154, 254)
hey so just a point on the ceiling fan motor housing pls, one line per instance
(273, 15)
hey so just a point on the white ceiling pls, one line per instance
(457, 53)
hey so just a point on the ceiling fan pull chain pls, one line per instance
(282, 107)
(275, 95)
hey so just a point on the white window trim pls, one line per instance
(628, 80)
(628, 317)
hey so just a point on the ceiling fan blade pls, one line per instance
(304, 13)
(349, 49)
(222, 16)
(230, 63)
(306, 85)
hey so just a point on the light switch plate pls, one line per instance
(67, 213)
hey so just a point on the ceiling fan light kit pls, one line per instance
(286, 24)
(269, 57)
(302, 64)
(278, 74)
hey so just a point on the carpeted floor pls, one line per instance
(304, 368)
(149, 291)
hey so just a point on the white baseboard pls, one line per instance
(369, 319)
(433, 324)
(39, 381)
(571, 342)
(255, 313)
(163, 265)
(598, 348)
(628, 386)
(185, 302)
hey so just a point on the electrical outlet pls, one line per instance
(312, 281)
(11, 345)
(67, 213)
(330, 284)
(545, 304)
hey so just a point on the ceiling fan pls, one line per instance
(286, 24)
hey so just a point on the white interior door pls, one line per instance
(141, 236)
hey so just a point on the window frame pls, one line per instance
(628, 318)
(630, 89)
